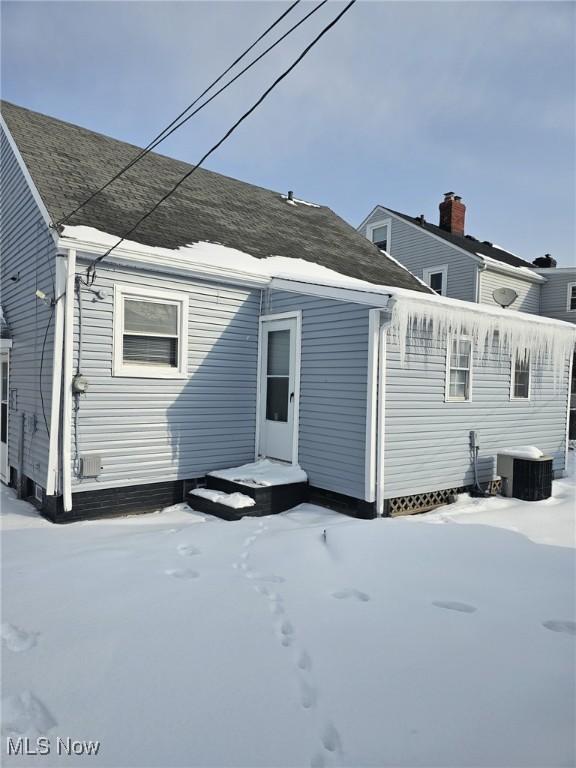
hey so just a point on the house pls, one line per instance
(460, 266)
(239, 323)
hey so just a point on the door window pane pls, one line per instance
(277, 398)
(279, 353)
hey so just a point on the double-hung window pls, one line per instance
(150, 333)
(520, 378)
(571, 298)
(379, 234)
(459, 369)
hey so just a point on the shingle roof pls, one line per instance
(67, 163)
(467, 242)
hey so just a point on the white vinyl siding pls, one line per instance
(427, 439)
(151, 430)
(528, 299)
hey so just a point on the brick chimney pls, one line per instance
(545, 262)
(452, 214)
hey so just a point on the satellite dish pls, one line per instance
(504, 296)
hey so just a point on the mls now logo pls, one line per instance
(43, 746)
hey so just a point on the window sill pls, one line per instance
(135, 372)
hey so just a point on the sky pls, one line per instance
(397, 104)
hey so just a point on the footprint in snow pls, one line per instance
(453, 605)
(565, 627)
(25, 715)
(355, 593)
(182, 573)
(187, 550)
(304, 662)
(16, 639)
(331, 739)
(307, 695)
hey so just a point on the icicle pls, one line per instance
(544, 341)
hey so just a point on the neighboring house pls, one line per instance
(239, 323)
(460, 266)
(451, 262)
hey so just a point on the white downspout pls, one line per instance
(382, 339)
(68, 374)
(53, 446)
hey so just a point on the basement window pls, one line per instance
(459, 370)
(379, 234)
(520, 379)
(150, 333)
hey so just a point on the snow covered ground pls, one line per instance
(174, 639)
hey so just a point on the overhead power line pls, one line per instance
(178, 125)
(92, 267)
(160, 137)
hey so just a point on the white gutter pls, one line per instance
(60, 290)
(520, 273)
(478, 282)
(67, 381)
(379, 322)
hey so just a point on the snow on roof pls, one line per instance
(548, 340)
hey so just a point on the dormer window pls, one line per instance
(379, 234)
(436, 278)
(571, 303)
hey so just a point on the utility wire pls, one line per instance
(91, 271)
(176, 126)
(160, 137)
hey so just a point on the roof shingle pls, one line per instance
(68, 163)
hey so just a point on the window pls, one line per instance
(520, 378)
(571, 302)
(437, 279)
(459, 369)
(379, 233)
(150, 333)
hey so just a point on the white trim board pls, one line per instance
(372, 406)
(129, 257)
(29, 181)
(68, 374)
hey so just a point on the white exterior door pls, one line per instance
(4, 384)
(279, 382)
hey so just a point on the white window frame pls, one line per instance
(569, 297)
(513, 380)
(135, 370)
(470, 369)
(443, 270)
(381, 223)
